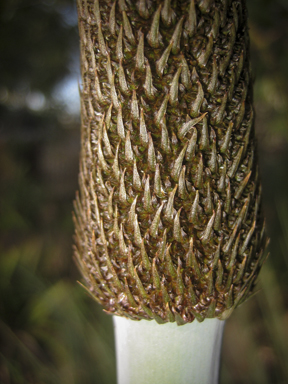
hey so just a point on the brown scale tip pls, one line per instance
(168, 222)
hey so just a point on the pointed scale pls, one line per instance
(191, 147)
(115, 166)
(177, 230)
(153, 35)
(169, 264)
(214, 77)
(134, 107)
(234, 167)
(106, 142)
(143, 131)
(173, 93)
(209, 229)
(179, 284)
(162, 110)
(191, 260)
(169, 210)
(185, 74)
(155, 276)
(191, 23)
(206, 53)
(195, 110)
(145, 259)
(143, 9)
(122, 80)
(204, 138)
(226, 141)
(161, 63)
(128, 29)
(107, 259)
(119, 44)
(136, 178)
(156, 221)
(129, 295)
(189, 125)
(158, 189)
(242, 186)
(147, 196)
(167, 13)
(182, 192)
(132, 213)
(101, 41)
(122, 189)
(151, 153)
(213, 165)
(193, 216)
(140, 58)
(178, 164)
(129, 155)
(199, 173)
(120, 125)
(165, 142)
(149, 89)
(233, 253)
(220, 111)
(208, 205)
(177, 36)
(112, 19)
(162, 246)
(137, 232)
(247, 239)
(103, 164)
(114, 96)
(204, 5)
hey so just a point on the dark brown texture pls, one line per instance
(168, 220)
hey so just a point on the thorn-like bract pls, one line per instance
(128, 29)
(161, 112)
(191, 23)
(178, 164)
(195, 110)
(120, 125)
(150, 90)
(156, 222)
(173, 93)
(169, 210)
(161, 63)
(193, 217)
(112, 18)
(140, 58)
(177, 36)
(189, 125)
(153, 35)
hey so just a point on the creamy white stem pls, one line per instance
(148, 352)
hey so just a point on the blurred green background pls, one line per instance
(50, 331)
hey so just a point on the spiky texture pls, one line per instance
(168, 222)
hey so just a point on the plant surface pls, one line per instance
(168, 220)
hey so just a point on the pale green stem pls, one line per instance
(150, 353)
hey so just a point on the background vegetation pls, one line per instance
(50, 331)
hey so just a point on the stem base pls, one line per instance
(167, 354)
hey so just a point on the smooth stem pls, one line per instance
(150, 353)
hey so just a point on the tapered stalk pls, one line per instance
(167, 354)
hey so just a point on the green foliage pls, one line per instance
(50, 332)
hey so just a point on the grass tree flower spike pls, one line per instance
(168, 219)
